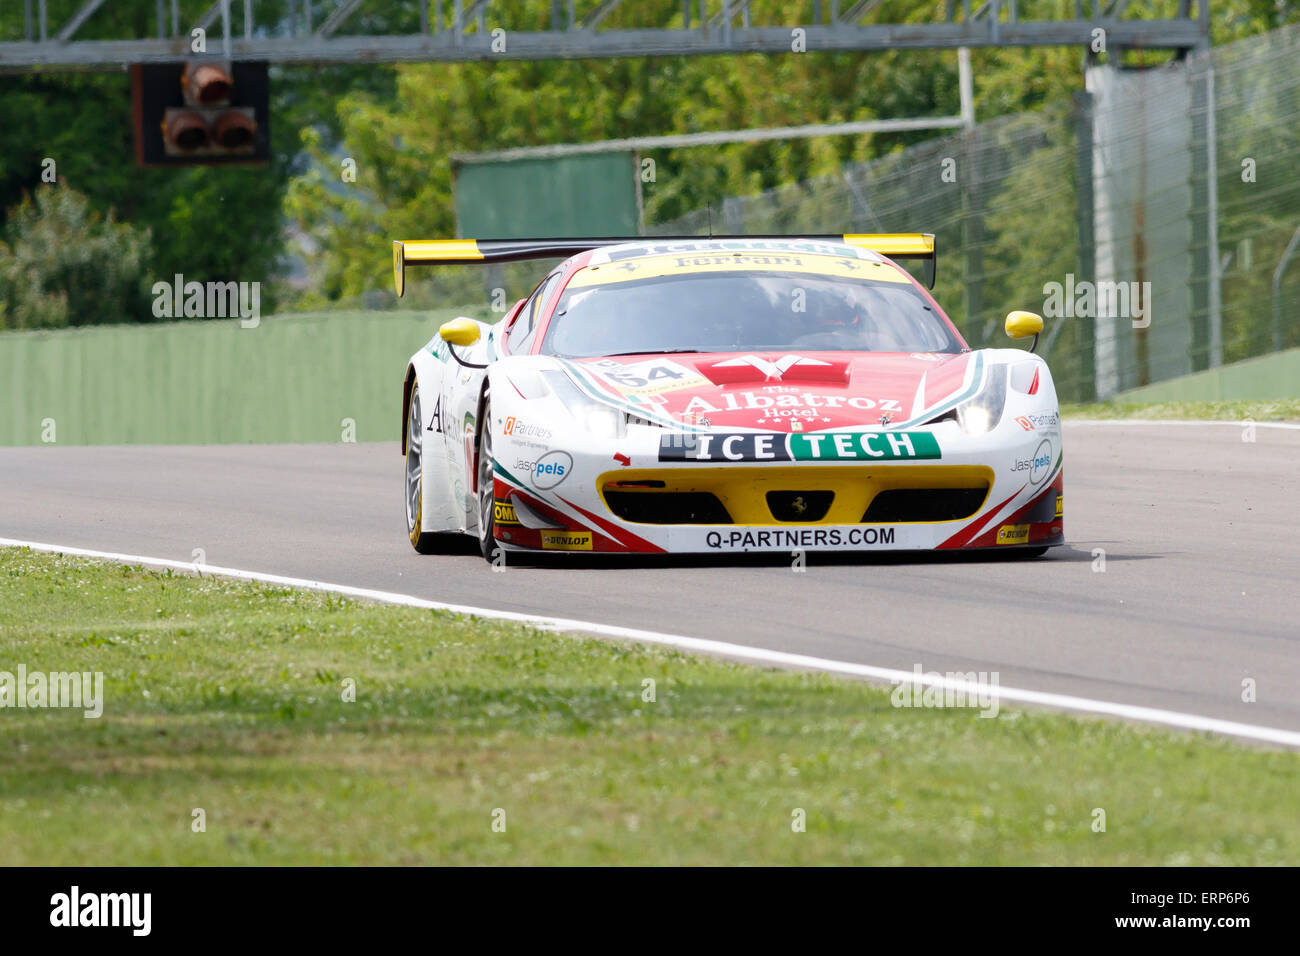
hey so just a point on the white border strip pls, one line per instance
(1238, 423)
(760, 655)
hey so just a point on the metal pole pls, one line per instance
(702, 38)
(225, 27)
(1084, 358)
(966, 87)
(1212, 199)
(1277, 288)
(248, 19)
(680, 140)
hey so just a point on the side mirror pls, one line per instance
(1021, 325)
(462, 332)
(466, 332)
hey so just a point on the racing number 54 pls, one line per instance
(654, 374)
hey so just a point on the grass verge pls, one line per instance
(1279, 410)
(228, 697)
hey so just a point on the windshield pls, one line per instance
(745, 311)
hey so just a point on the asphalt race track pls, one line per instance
(1200, 529)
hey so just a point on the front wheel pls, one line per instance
(487, 542)
(423, 543)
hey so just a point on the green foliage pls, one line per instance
(207, 223)
(64, 264)
(402, 145)
(1034, 237)
(1236, 410)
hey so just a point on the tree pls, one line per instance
(65, 264)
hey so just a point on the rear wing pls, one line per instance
(445, 252)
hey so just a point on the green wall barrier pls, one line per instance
(290, 379)
(1269, 376)
(589, 195)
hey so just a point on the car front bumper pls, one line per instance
(628, 495)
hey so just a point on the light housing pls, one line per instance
(595, 417)
(981, 414)
(202, 111)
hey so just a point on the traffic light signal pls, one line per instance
(201, 112)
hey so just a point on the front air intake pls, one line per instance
(667, 507)
(924, 504)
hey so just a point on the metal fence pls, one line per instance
(1151, 221)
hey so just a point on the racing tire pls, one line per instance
(424, 543)
(486, 482)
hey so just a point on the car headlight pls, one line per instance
(603, 421)
(982, 413)
(594, 416)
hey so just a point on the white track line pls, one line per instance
(760, 655)
(1241, 423)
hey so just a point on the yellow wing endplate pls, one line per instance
(431, 252)
(902, 244)
(454, 252)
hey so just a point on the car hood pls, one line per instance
(777, 391)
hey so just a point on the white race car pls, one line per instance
(724, 395)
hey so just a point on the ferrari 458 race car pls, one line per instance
(722, 395)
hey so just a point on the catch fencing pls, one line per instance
(1154, 221)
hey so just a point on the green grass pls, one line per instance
(227, 697)
(1277, 410)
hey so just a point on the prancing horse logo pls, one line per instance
(799, 505)
(772, 370)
